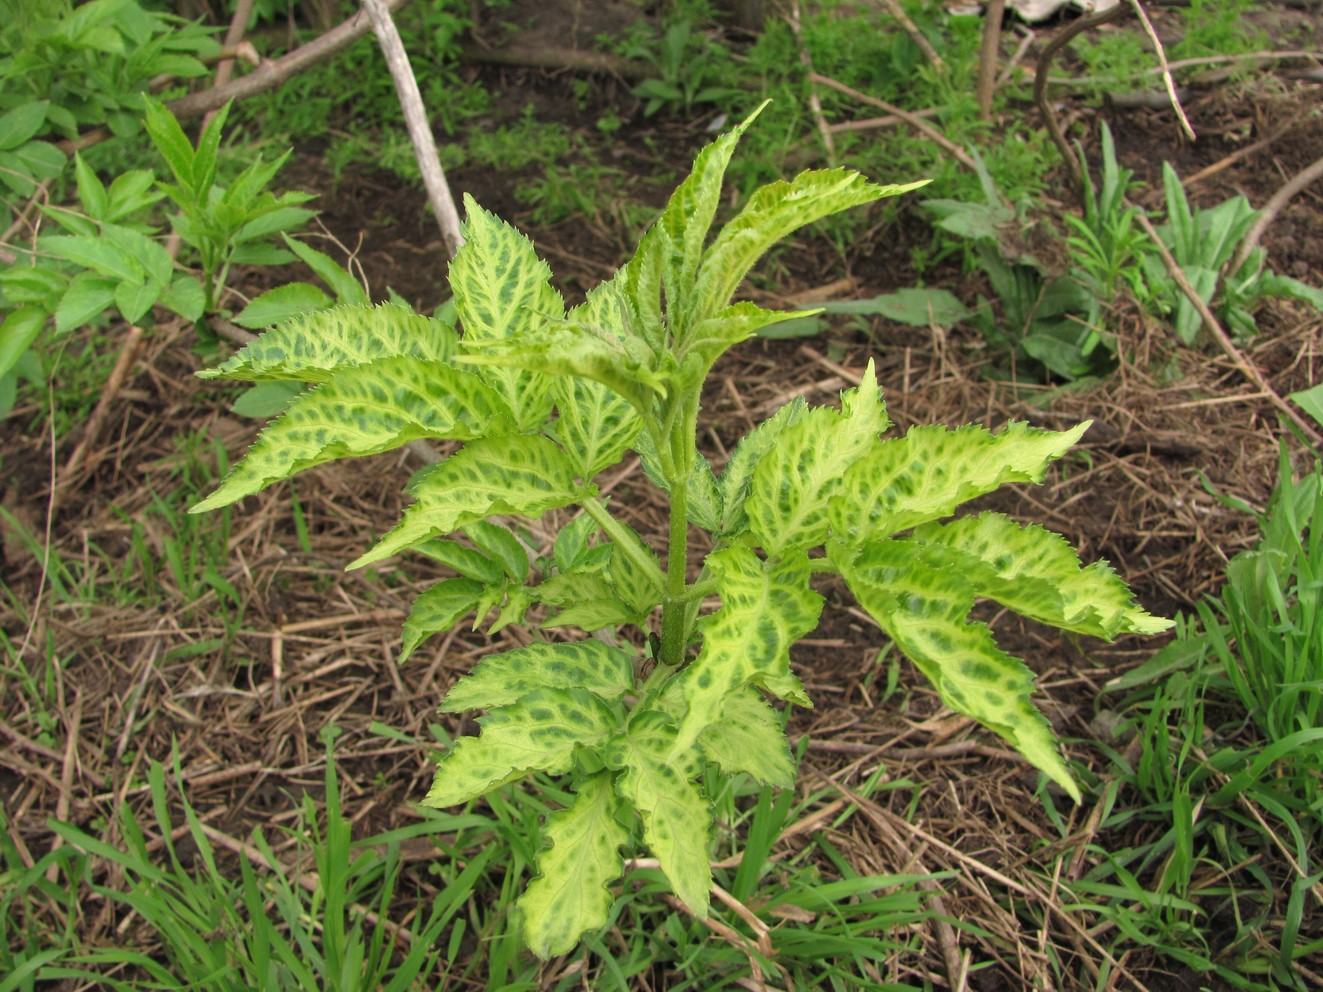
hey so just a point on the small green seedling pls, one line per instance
(545, 400)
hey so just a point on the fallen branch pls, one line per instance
(1247, 369)
(913, 120)
(1167, 81)
(1309, 174)
(127, 356)
(415, 119)
(1058, 42)
(987, 56)
(814, 102)
(918, 37)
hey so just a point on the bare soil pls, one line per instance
(244, 682)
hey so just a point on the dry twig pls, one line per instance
(1223, 340)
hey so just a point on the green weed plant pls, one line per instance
(645, 721)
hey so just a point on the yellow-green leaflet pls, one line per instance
(570, 896)
(1038, 574)
(925, 611)
(676, 818)
(312, 347)
(539, 732)
(505, 678)
(365, 410)
(926, 474)
(503, 292)
(765, 608)
(798, 476)
(515, 473)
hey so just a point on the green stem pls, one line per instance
(629, 546)
(677, 564)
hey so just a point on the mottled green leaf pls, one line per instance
(313, 346)
(772, 212)
(676, 817)
(716, 334)
(1038, 574)
(537, 733)
(737, 478)
(463, 559)
(502, 679)
(437, 610)
(519, 473)
(765, 608)
(364, 410)
(503, 293)
(576, 349)
(798, 475)
(930, 471)
(925, 610)
(749, 739)
(501, 544)
(596, 425)
(570, 895)
(683, 225)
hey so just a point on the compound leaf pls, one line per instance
(925, 610)
(771, 213)
(676, 817)
(715, 335)
(503, 293)
(930, 471)
(596, 425)
(570, 895)
(518, 473)
(1038, 574)
(438, 609)
(365, 410)
(313, 346)
(502, 679)
(737, 478)
(765, 608)
(749, 739)
(798, 475)
(537, 733)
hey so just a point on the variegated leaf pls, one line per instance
(365, 410)
(1038, 574)
(926, 474)
(676, 817)
(715, 335)
(500, 544)
(802, 471)
(596, 425)
(438, 609)
(313, 346)
(570, 896)
(749, 739)
(585, 599)
(925, 611)
(519, 473)
(502, 679)
(771, 213)
(576, 349)
(765, 608)
(688, 215)
(503, 292)
(464, 560)
(737, 478)
(537, 733)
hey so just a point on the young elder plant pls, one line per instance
(545, 400)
